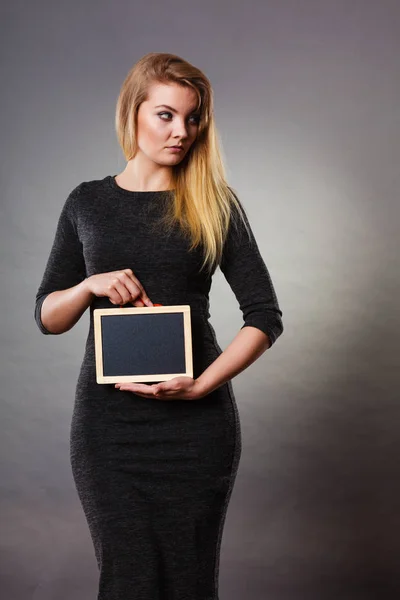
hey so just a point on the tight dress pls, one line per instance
(154, 477)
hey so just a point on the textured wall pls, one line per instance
(307, 103)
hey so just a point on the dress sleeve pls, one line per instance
(245, 271)
(65, 265)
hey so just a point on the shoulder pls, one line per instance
(238, 210)
(84, 194)
(239, 221)
(87, 189)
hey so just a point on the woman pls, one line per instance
(154, 465)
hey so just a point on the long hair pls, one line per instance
(203, 200)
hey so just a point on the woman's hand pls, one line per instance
(120, 287)
(178, 388)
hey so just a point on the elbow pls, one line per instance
(38, 317)
(45, 329)
(42, 328)
(38, 320)
(275, 328)
(268, 321)
(279, 328)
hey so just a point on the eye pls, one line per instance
(164, 113)
(195, 117)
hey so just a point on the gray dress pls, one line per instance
(154, 477)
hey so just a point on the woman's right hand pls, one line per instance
(120, 287)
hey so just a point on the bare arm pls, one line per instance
(246, 347)
(62, 309)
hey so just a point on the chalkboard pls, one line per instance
(143, 344)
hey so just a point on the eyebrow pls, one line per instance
(173, 109)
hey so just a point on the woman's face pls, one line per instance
(166, 119)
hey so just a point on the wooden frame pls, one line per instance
(98, 313)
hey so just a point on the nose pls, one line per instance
(180, 129)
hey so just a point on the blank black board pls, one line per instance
(143, 343)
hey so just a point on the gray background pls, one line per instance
(307, 105)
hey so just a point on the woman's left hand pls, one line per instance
(178, 388)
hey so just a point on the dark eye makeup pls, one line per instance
(164, 112)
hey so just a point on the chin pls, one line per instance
(175, 159)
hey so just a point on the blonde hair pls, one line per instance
(202, 198)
